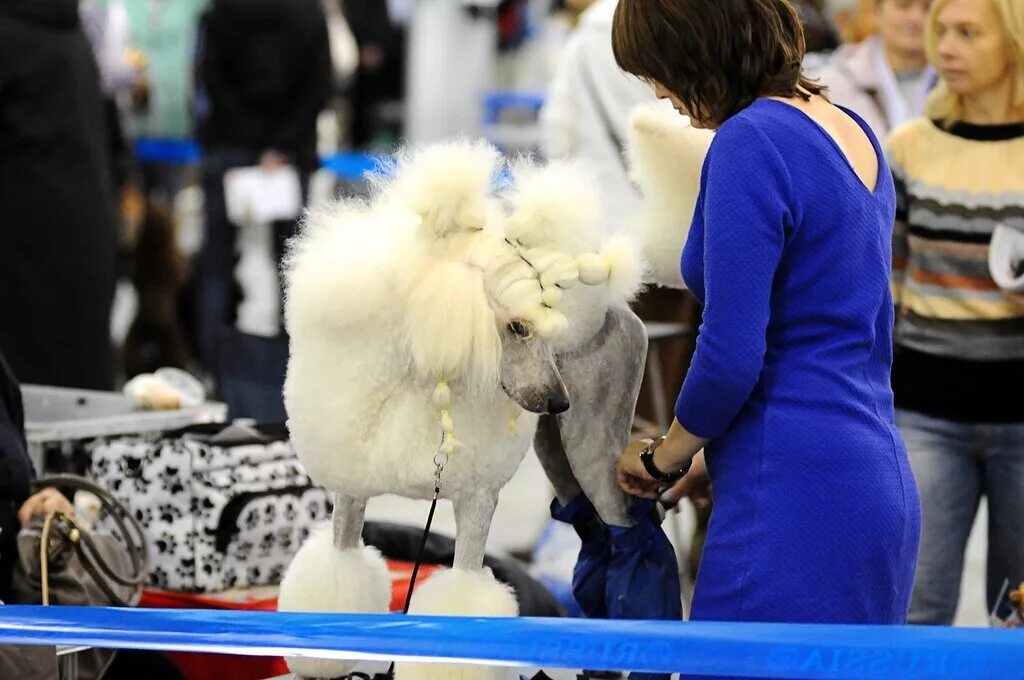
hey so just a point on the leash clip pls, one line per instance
(440, 460)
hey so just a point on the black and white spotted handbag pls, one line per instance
(221, 507)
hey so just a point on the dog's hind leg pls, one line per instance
(347, 520)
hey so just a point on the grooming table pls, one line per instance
(54, 415)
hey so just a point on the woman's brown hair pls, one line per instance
(716, 56)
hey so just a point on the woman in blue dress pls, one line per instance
(816, 514)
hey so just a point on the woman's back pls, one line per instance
(790, 253)
(831, 307)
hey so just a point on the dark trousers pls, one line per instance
(218, 294)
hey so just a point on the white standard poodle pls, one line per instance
(428, 326)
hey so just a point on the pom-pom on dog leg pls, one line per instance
(465, 590)
(459, 592)
(334, 572)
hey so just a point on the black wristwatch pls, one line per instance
(647, 458)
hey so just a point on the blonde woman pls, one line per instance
(959, 360)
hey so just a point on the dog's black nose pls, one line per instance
(558, 405)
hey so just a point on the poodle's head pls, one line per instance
(475, 314)
(501, 283)
(478, 323)
(554, 223)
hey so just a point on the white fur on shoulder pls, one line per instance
(459, 592)
(322, 578)
(666, 155)
(340, 270)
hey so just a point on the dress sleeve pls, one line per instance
(747, 199)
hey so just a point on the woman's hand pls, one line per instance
(679, 447)
(630, 472)
(696, 485)
(43, 503)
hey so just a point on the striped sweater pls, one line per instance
(958, 336)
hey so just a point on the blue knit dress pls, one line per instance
(816, 515)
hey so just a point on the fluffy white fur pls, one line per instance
(555, 224)
(556, 206)
(449, 325)
(445, 184)
(458, 592)
(382, 304)
(626, 267)
(393, 308)
(341, 271)
(322, 578)
(666, 155)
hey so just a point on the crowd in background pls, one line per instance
(266, 82)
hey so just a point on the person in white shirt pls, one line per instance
(586, 111)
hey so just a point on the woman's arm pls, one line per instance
(745, 211)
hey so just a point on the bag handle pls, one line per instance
(92, 559)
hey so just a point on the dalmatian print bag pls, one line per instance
(221, 508)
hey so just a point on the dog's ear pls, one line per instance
(589, 436)
(666, 155)
(449, 326)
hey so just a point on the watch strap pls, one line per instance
(647, 458)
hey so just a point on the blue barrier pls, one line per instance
(352, 166)
(176, 151)
(495, 102)
(711, 649)
(346, 165)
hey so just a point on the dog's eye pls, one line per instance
(517, 328)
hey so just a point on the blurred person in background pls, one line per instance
(107, 29)
(334, 122)
(160, 44)
(885, 78)
(585, 117)
(58, 228)
(379, 30)
(265, 73)
(854, 19)
(959, 359)
(819, 32)
(586, 111)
